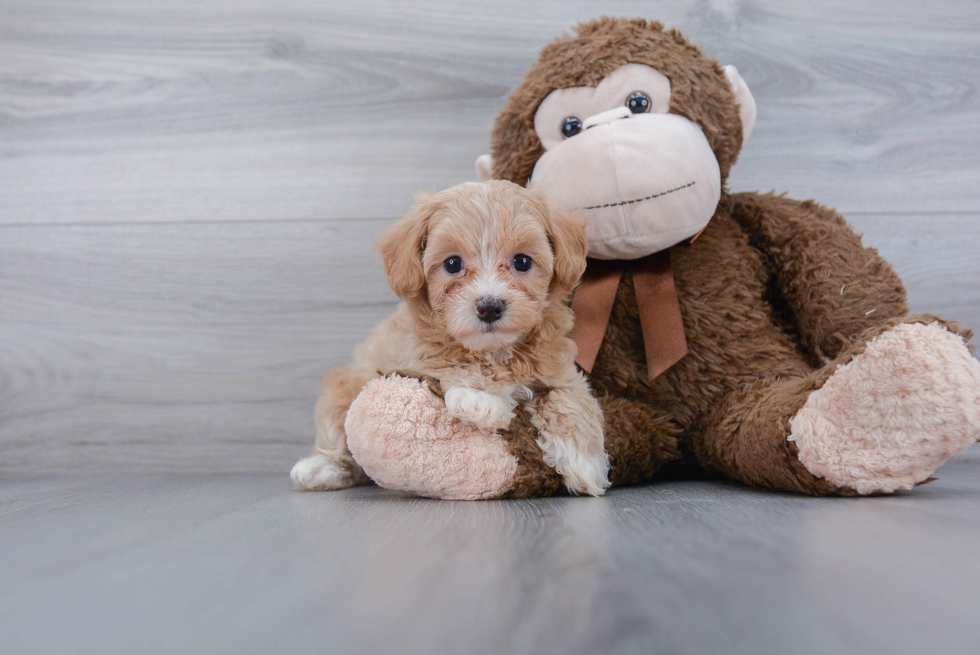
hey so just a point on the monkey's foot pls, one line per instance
(404, 439)
(895, 413)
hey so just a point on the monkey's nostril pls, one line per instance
(489, 310)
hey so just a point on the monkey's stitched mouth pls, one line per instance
(635, 200)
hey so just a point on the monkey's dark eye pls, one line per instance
(570, 127)
(453, 265)
(522, 263)
(638, 102)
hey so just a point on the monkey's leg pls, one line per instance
(400, 433)
(881, 417)
(639, 440)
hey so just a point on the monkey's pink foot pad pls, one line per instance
(403, 438)
(895, 413)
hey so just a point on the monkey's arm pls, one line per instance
(835, 287)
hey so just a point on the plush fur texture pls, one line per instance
(892, 415)
(451, 255)
(805, 372)
(400, 432)
(438, 448)
(700, 91)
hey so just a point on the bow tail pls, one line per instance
(656, 298)
(660, 313)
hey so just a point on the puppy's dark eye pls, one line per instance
(638, 102)
(453, 265)
(570, 127)
(522, 263)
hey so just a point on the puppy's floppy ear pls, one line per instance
(566, 231)
(401, 249)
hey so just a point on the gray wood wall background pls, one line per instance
(190, 190)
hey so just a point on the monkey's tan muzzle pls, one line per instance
(646, 182)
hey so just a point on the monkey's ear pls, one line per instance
(402, 246)
(746, 103)
(484, 168)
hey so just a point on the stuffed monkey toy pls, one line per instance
(744, 335)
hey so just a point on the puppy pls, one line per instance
(484, 272)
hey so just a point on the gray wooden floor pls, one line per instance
(239, 563)
(189, 192)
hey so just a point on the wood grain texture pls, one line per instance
(114, 111)
(200, 346)
(174, 345)
(241, 564)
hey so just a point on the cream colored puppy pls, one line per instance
(484, 272)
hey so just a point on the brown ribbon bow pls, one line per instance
(656, 299)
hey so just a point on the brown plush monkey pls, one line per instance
(773, 349)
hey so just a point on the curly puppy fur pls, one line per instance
(453, 253)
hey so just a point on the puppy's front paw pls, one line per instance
(484, 410)
(581, 473)
(320, 473)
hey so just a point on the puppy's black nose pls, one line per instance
(490, 309)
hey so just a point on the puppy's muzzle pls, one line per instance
(490, 310)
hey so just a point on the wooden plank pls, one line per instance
(113, 111)
(241, 564)
(157, 345)
(200, 346)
